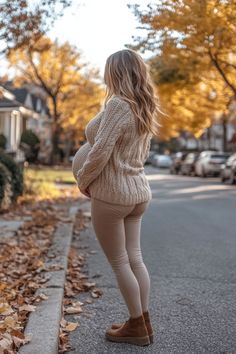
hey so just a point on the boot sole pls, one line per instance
(118, 326)
(131, 340)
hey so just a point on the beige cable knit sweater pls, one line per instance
(114, 166)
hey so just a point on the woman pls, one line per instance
(113, 176)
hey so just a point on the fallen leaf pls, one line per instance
(96, 293)
(28, 308)
(89, 285)
(10, 322)
(6, 342)
(89, 301)
(43, 296)
(5, 309)
(73, 309)
(71, 326)
(63, 322)
(17, 333)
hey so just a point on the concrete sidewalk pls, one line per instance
(44, 323)
(9, 228)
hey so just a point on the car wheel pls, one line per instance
(232, 178)
(222, 178)
(204, 175)
(190, 173)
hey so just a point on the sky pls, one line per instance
(98, 28)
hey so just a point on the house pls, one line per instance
(20, 109)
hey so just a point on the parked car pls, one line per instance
(228, 170)
(209, 163)
(149, 158)
(177, 160)
(162, 161)
(187, 166)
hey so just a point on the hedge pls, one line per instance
(16, 173)
(3, 141)
(30, 143)
(6, 192)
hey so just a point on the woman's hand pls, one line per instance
(86, 192)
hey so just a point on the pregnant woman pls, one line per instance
(109, 169)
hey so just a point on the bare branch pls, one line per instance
(216, 63)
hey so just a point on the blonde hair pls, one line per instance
(127, 76)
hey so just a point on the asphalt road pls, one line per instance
(189, 247)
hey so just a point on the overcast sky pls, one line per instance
(97, 27)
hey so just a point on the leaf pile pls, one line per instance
(22, 269)
(76, 282)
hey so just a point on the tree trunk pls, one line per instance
(197, 144)
(68, 147)
(209, 137)
(54, 158)
(225, 130)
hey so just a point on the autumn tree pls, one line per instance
(197, 37)
(23, 22)
(189, 100)
(79, 107)
(72, 88)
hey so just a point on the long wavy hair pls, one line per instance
(127, 75)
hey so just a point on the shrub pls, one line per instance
(16, 172)
(30, 143)
(29, 138)
(5, 187)
(3, 141)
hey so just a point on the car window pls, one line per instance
(218, 156)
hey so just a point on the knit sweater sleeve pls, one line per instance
(110, 129)
(148, 148)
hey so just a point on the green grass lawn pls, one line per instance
(44, 182)
(50, 174)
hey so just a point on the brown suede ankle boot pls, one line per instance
(147, 323)
(133, 331)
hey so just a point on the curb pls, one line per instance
(44, 323)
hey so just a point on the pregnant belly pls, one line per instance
(80, 157)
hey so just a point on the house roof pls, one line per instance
(20, 94)
(6, 103)
(21, 99)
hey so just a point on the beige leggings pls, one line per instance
(118, 228)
